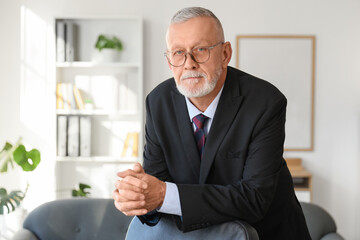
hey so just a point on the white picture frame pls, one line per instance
(288, 62)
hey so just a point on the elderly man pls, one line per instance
(214, 142)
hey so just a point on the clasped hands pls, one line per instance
(138, 193)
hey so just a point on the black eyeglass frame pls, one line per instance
(191, 55)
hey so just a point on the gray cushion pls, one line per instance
(167, 229)
(79, 218)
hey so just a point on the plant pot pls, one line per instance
(12, 222)
(107, 55)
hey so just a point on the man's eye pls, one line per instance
(200, 49)
(178, 52)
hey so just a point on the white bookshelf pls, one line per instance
(116, 90)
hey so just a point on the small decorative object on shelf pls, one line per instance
(89, 104)
(131, 143)
(109, 48)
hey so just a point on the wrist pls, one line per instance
(162, 193)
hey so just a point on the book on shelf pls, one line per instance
(60, 41)
(73, 136)
(70, 41)
(68, 96)
(59, 97)
(78, 98)
(61, 136)
(85, 136)
(66, 41)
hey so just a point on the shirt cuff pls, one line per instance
(171, 204)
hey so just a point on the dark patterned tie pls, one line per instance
(199, 121)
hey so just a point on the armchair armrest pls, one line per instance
(332, 236)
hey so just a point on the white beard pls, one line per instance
(190, 90)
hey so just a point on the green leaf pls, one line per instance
(4, 166)
(82, 186)
(104, 41)
(74, 193)
(7, 147)
(22, 157)
(81, 191)
(10, 201)
(6, 157)
(3, 192)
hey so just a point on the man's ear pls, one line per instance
(227, 53)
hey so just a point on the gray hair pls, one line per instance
(186, 14)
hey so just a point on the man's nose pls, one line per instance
(190, 62)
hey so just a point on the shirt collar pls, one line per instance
(209, 112)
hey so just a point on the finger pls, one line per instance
(138, 168)
(132, 207)
(135, 182)
(131, 195)
(116, 195)
(121, 196)
(121, 184)
(137, 212)
(128, 172)
(118, 198)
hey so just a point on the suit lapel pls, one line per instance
(226, 111)
(186, 133)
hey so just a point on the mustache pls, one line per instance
(192, 74)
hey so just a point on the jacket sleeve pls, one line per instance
(154, 164)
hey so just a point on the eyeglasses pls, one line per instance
(200, 55)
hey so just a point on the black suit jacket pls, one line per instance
(242, 174)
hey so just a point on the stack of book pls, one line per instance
(68, 97)
(74, 132)
(66, 39)
(74, 136)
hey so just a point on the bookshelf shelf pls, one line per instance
(98, 160)
(94, 143)
(96, 112)
(91, 64)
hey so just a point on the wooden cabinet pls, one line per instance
(302, 179)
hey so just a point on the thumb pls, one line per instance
(138, 168)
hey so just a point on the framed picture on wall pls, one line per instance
(288, 62)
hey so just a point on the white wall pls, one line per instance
(335, 160)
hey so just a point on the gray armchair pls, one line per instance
(319, 222)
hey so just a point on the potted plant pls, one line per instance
(109, 48)
(11, 155)
(81, 191)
